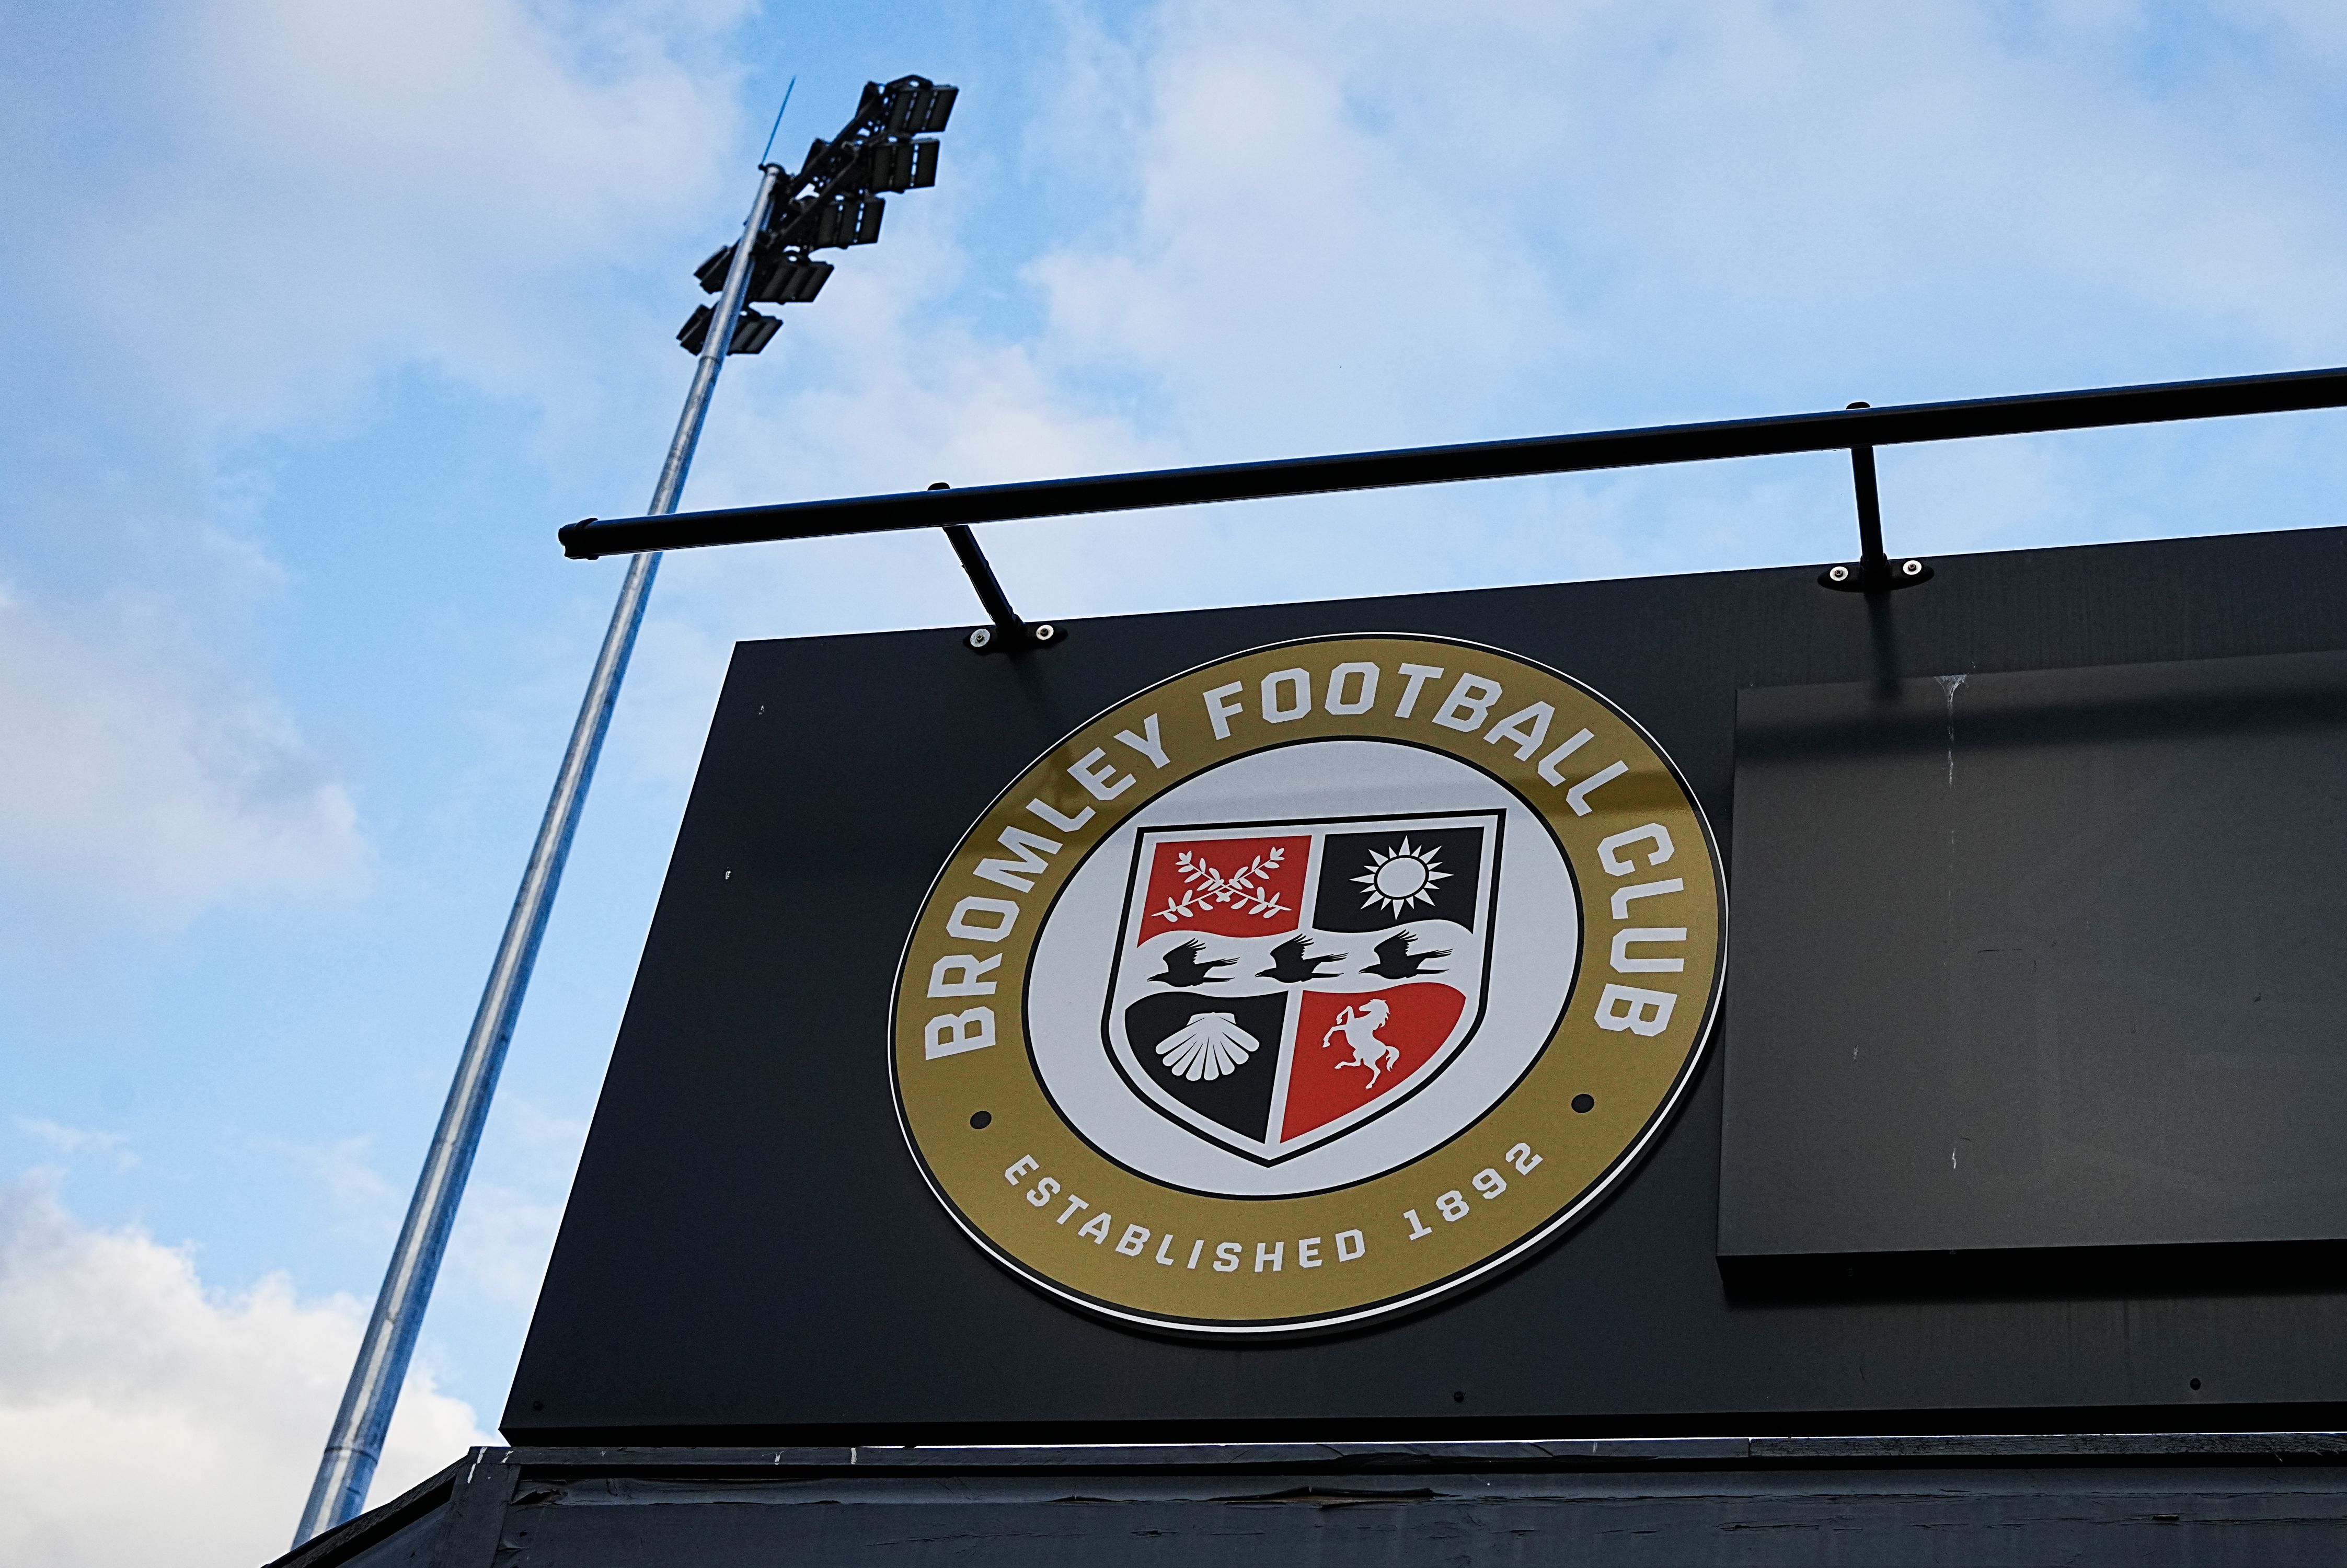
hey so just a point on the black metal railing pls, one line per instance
(1836, 430)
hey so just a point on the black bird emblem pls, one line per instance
(1397, 962)
(1290, 966)
(1183, 969)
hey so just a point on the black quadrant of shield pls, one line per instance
(1240, 1099)
(1348, 904)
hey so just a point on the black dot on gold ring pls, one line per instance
(1584, 1104)
(981, 1119)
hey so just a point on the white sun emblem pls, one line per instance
(1401, 877)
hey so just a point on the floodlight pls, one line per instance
(915, 105)
(789, 280)
(852, 219)
(898, 164)
(711, 272)
(753, 332)
(891, 166)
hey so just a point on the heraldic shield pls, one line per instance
(1278, 984)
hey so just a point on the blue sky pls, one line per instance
(321, 319)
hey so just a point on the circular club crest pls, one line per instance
(1308, 985)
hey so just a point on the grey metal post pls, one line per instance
(347, 1468)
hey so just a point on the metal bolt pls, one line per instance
(981, 638)
(1046, 631)
(1839, 574)
(1913, 569)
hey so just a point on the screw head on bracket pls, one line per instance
(1045, 631)
(1839, 574)
(1913, 569)
(981, 638)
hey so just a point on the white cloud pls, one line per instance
(1406, 209)
(119, 1368)
(345, 187)
(137, 782)
(317, 197)
(112, 1147)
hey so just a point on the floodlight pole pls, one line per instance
(347, 1467)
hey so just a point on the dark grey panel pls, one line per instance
(1282, 1521)
(2047, 959)
(416, 1545)
(2271, 1499)
(749, 1253)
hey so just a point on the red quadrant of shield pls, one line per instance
(1226, 887)
(1346, 1055)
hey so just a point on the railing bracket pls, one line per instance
(1873, 572)
(1008, 633)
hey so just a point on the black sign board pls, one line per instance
(2124, 1006)
(2128, 884)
